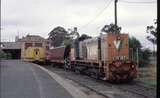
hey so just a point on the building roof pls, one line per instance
(32, 38)
(18, 43)
(11, 45)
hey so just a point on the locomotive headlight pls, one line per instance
(132, 66)
(117, 64)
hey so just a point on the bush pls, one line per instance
(144, 57)
(2, 54)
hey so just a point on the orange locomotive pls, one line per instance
(105, 57)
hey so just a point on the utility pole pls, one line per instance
(153, 49)
(0, 44)
(115, 8)
(137, 58)
(0, 39)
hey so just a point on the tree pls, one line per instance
(57, 36)
(152, 30)
(143, 54)
(2, 54)
(134, 43)
(71, 36)
(144, 57)
(83, 37)
(112, 28)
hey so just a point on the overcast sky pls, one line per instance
(41, 16)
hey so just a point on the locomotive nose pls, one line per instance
(121, 71)
(117, 64)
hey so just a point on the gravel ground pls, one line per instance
(148, 76)
(104, 89)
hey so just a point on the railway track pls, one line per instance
(134, 89)
(139, 89)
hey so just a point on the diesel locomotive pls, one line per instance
(104, 57)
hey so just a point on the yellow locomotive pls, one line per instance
(34, 54)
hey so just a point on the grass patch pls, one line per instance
(148, 76)
(149, 82)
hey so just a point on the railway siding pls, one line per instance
(106, 89)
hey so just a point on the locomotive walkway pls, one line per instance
(25, 80)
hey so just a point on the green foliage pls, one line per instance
(134, 43)
(67, 42)
(57, 36)
(142, 53)
(83, 37)
(2, 54)
(73, 34)
(152, 30)
(71, 37)
(112, 28)
(144, 57)
(9, 56)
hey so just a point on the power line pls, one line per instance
(97, 15)
(149, 2)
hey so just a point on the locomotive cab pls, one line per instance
(120, 68)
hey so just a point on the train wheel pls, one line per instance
(97, 76)
(67, 64)
(72, 68)
(77, 70)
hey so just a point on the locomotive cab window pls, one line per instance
(36, 52)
